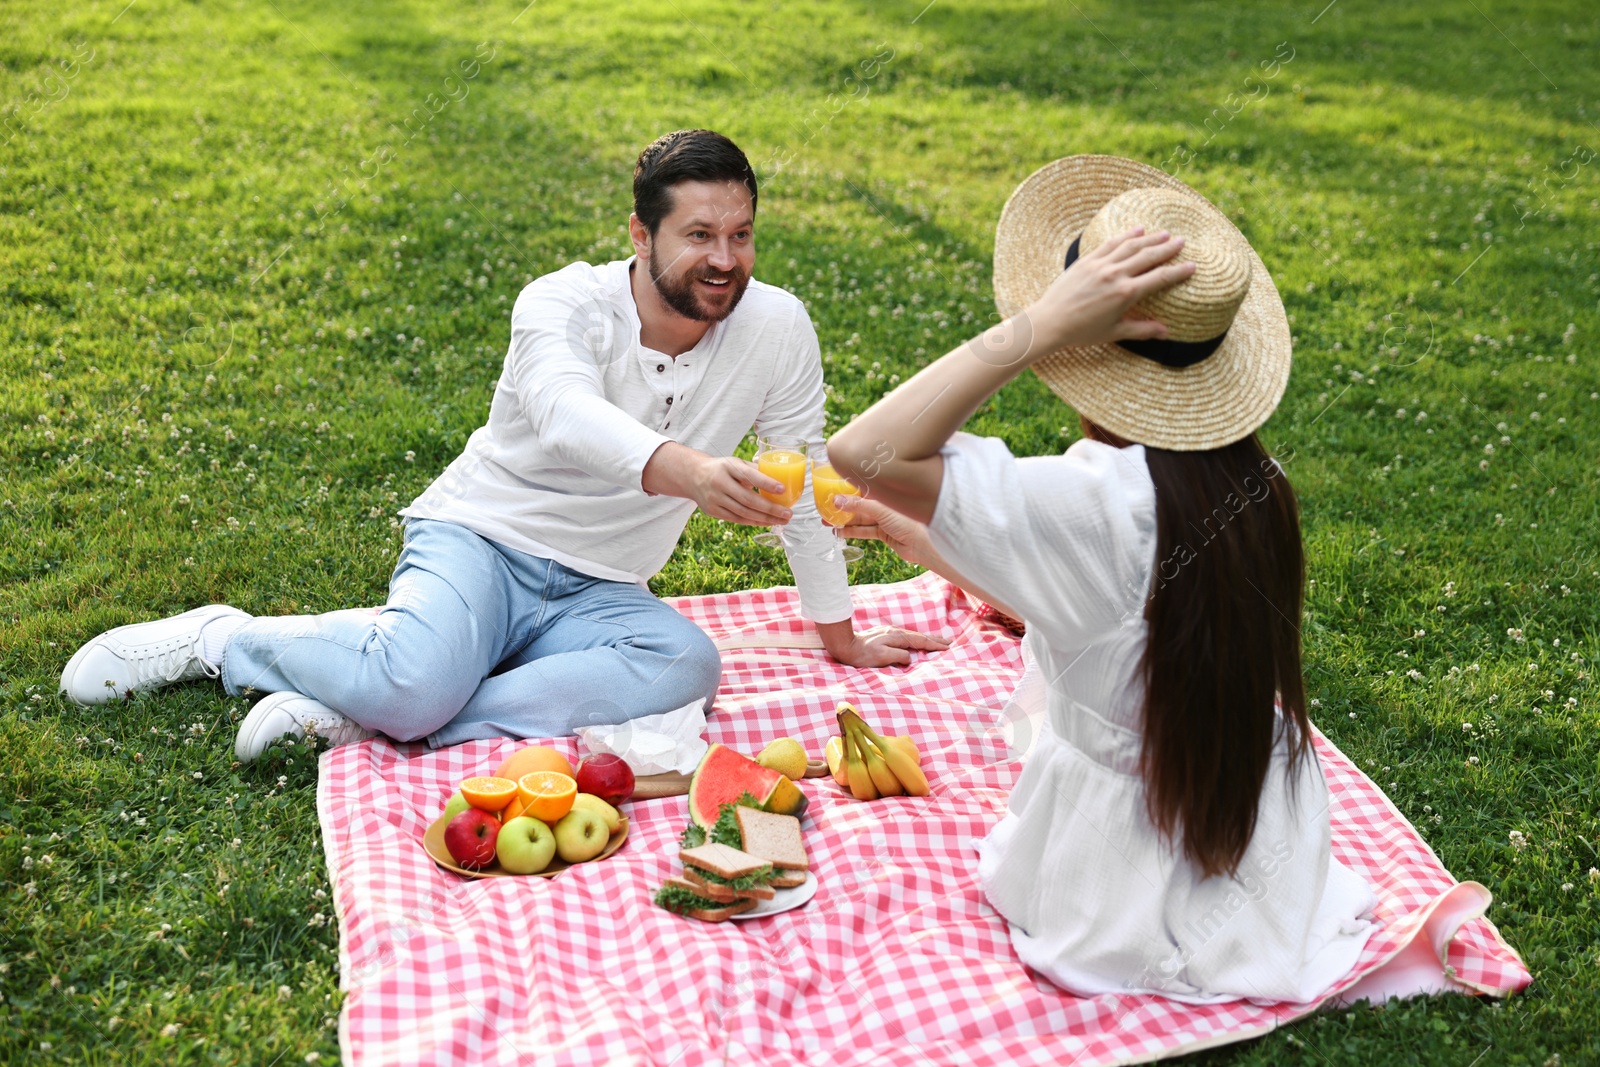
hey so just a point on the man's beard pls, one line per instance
(678, 293)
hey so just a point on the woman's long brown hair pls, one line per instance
(1224, 644)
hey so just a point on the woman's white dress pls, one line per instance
(1098, 902)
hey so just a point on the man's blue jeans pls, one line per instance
(478, 640)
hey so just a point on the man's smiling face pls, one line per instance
(701, 255)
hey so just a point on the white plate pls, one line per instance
(782, 900)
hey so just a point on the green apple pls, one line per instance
(590, 802)
(456, 806)
(525, 845)
(580, 835)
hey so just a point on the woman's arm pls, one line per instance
(875, 521)
(892, 451)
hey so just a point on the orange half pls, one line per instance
(489, 794)
(547, 795)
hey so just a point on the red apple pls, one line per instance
(470, 837)
(607, 777)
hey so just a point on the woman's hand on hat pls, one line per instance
(1088, 302)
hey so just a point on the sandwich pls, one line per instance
(776, 840)
(736, 864)
(726, 874)
(684, 897)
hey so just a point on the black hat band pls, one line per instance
(1166, 352)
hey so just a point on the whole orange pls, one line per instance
(531, 758)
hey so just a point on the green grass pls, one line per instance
(236, 338)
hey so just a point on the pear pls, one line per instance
(589, 802)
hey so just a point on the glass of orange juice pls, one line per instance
(782, 459)
(827, 483)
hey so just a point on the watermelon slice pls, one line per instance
(722, 778)
(787, 799)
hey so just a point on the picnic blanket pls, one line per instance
(897, 960)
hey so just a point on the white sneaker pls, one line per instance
(144, 655)
(297, 716)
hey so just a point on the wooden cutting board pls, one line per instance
(652, 786)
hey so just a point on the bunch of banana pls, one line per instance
(870, 765)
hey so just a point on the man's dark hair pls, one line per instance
(685, 156)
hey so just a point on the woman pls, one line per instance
(1169, 833)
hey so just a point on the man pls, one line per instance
(518, 606)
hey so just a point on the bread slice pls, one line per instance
(773, 838)
(691, 903)
(723, 861)
(788, 879)
(717, 891)
(709, 890)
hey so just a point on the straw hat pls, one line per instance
(1225, 364)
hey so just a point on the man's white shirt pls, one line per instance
(582, 405)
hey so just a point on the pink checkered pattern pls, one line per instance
(898, 959)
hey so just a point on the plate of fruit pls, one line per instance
(536, 815)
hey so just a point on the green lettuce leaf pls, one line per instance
(678, 899)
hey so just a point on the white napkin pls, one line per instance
(653, 744)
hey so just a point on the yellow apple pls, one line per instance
(581, 835)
